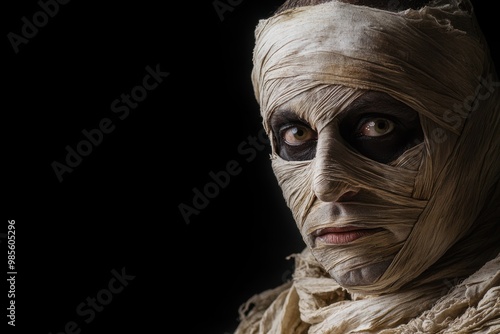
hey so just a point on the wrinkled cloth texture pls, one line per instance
(312, 303)
(441, 196)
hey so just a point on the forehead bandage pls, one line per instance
(438, 196)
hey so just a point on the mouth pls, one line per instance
(342, 235)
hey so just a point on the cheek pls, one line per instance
(294, 178)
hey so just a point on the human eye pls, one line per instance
(294, 138)
(380, 128)
(376, 127)
(297, 134)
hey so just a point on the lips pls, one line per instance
(343, 235)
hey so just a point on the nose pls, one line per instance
(330, 179)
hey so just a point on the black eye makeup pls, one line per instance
(297, 134)
(375, 125)
(380, 127)
(294, 138)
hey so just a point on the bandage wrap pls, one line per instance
(434, 60)
(441, 196)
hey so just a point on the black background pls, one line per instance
(119, 208)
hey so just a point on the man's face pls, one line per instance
(347, 95)
(347, 221)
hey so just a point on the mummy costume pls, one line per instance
(400, 215)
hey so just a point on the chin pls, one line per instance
(362, 276)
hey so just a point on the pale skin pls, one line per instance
(375, 125)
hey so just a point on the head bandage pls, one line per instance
(440, 197)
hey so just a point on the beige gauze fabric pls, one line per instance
(439, 269)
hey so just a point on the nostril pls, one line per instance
(347, 196)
